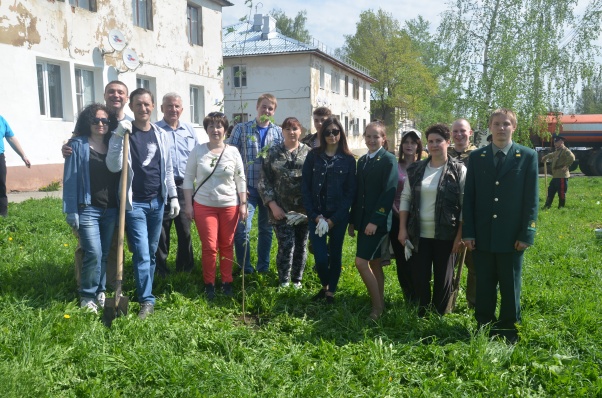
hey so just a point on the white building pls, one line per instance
(303, 76)
(57, 58)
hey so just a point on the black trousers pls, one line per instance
(184, 256)
(432, 260)
(3, 197)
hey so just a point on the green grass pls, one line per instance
(291, 346)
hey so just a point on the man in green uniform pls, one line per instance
(499, 215)
(562, 158)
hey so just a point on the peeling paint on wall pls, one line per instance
(23, 31)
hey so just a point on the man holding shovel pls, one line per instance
(150, 186)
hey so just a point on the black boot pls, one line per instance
(561, 203)
(548, 203)
(210, 291)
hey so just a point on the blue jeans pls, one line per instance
(264, 241)
(328, 254)
(96, 226)
(143, 225)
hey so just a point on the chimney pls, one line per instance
(257, 19)
(269, 28)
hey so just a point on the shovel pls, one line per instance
(118, 305)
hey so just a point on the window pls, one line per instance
(322, 77)
(141, 82)
(347, 124)
(335, 82)
(364, 124)
(239, 73)
(356, 126)
(239, 118)
(142, 11)
(346, 86)
(197, 104)
(195, 25)
(84, 88)
(50, 93)
(365, 91)
(356, 89)
(89, 5)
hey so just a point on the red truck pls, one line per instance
(583, 135)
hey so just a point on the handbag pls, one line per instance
(210, 174)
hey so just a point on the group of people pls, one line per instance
(311, 189)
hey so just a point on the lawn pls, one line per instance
(287, 345)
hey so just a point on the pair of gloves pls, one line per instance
(322, 228)
(408, 249)
(294, 218)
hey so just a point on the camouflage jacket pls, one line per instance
(461, 156)
(281, 179)
(561, 160)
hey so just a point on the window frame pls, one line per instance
(80, 97)
(199, 25)
(90, 7)
(242, 77)
(147, 12)
(322, 77)
(47, 107)
(197, 104)
(346, 85)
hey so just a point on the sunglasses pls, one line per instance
(334, 132)
(216, 114)
(98, 120)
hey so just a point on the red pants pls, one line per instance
(216, 226)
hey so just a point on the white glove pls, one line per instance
(174, 208)
(322, 227)
(124, 126)
(73, 220)
(408, 249)
(294, 218)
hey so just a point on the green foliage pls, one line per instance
(52, 187)
(524, 55)
(293, 28)
(590, 100)
(287, 345)
(403, 81)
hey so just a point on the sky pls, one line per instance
(330, 20)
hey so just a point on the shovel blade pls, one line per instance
(112, 311)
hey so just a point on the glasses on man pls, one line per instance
(216, 114)
(98, 120)
(334, 132)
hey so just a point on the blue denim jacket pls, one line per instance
(76, 176)
(338, 175)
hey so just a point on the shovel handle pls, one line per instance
(122, 203)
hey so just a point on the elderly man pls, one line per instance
(150, 186)
(7, 133)
(181, 139)
(116, 98)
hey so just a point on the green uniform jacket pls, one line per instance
(376, 187)
(499, 210)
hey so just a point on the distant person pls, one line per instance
(500, 215)
(410, 151)
(253, 139)
(562, 159)
(328, 190)
(220, 200)
(280, 190)
(150, 186)
(461, 133)
(181, 139)
(90, 199)
(116, 98)
(376, 182)
(320, 114)
(7, 133)
(429, 220)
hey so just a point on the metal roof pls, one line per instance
(241, 40)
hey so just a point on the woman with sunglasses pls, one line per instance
(280, 190)
(219, 200)
(90, 198)
(371, 212)
(328, 189)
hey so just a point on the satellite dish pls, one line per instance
(116, 40)
(130, 59)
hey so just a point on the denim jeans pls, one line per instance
(143, 224)
(328, 253)
(96, 226)
(264, 241)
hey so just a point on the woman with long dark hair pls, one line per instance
(328, 191)
(90, 199)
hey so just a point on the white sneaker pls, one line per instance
(297, 285)
(89, 304)
(100, 299)
(284, 285)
